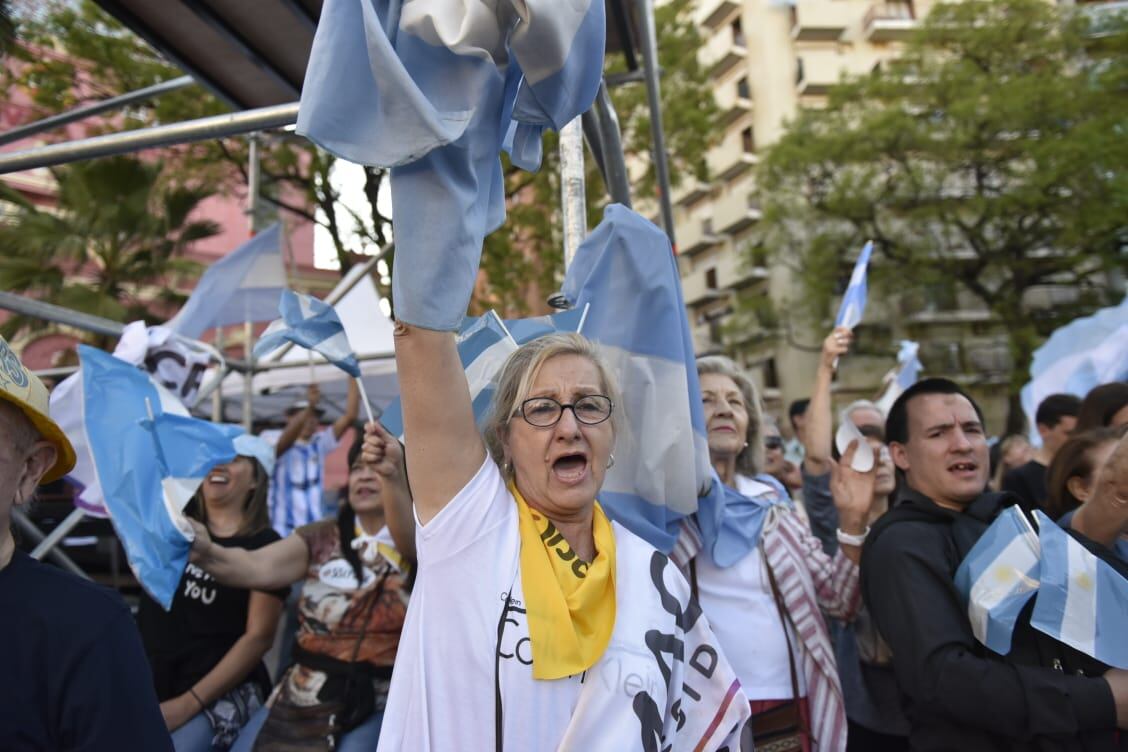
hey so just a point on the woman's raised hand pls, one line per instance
(836, 344)
(382, 450)
(852, 491)
(200, 543)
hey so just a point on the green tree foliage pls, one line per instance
(109, 246)
(990, 155)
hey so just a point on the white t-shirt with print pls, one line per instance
(661, 678)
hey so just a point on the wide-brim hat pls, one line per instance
(22, 388)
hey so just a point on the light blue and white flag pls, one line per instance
(626, 273)
(435, 90)
(901, 377)
(312, 324)
(998, 576)
(854, 300)
(1077, 357)
(1082, 601)
(484, 343)
(242, 286)
(148, 468)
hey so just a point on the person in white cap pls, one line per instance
(73, 674)
(206, 651)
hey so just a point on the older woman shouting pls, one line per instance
(536, 623)
(760, 573)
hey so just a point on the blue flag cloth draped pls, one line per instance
(312, 324)
(626, 273)
(242, 286)
(731, 522)
(1082, 601)
(434, 90)
(854, 299)
(998, 576)
(484, 342)
(147, 468)
(1077, 357)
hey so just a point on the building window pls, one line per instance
(743, 89)
(737, 33)
(798, 71)
(748, 140)
(771, 375)
(711, 278)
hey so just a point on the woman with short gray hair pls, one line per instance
(531, 608)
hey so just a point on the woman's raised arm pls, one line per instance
(444, 449)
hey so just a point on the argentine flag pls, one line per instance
(626, 273)
(1082, 601)
(242, 286)
(434, 91)
(854, 300)
(998, 576)
(149, 459)
(312, 324)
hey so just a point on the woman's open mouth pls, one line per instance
(570, 468)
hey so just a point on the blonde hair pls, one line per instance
(520, 371)
(751, 459)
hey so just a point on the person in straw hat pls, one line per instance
(74, 673)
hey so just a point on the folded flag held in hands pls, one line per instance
(998, 576)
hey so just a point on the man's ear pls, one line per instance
(1079, 488)
(39, 460)
(900, 455)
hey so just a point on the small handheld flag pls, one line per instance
(312, 324)
(854, 300)
(998, 576)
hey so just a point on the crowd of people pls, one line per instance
(809, 604)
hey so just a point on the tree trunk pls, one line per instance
(1023, 340)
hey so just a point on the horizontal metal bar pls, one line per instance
(50, 312)
(203, 129)
(81, 113)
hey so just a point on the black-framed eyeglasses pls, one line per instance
(773, 442)
(543, 412)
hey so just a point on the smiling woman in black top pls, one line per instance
(206, 652)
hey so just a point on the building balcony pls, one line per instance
(816, 72)
(714, 13)
(734, 101)
(889, 22)
(819, 20)
(690, 191)
(734, 156)
(735, 273)
(724, 51)
(735, 212)
(700, 287)
(696, 235)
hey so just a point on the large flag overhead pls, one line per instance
(1082, 601)
(998, 576)
(242, 286)
(626, 275)
(148, 461)
(1077, 357)
(434, 90)
(854, 299)
(312, 324)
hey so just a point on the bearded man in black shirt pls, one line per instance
(957, 694)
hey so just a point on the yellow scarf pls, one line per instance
(570, 603)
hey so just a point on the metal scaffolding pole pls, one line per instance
(649, 43)
(203, 129)
(601, 126)
(81, 113)
(254, 185)
(29, 529)
(573, 200)
(49, 312)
